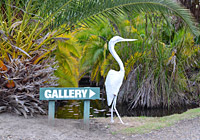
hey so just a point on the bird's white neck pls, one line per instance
(115, 55)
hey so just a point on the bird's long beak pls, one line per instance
(129, 39)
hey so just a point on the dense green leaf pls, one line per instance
(71, 12)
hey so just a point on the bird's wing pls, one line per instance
(113, 83)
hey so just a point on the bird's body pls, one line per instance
(114, 78)
(114, 81)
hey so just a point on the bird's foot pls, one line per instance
(112, 121)
(126, 124)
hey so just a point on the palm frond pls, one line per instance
(93, 10)
(72, 12)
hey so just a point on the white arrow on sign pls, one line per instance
(91, 93)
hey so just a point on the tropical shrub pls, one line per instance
(82, 54)
(158, 71)
(68, 57)
(20, 82)
(25, 62)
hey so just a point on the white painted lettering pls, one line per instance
(60, 93)
(84, 93)
(65, 94)
(77, 93)
(54, 94)
(47, 93)
(71, 93)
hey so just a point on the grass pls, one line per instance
(147, 124)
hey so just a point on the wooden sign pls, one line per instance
(86, 93)
(69, 93)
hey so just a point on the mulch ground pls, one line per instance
(13, 127)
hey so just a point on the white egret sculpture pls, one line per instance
(114, 78)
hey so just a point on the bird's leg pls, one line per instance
(112, 121)
(115, 100)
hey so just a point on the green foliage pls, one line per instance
(156, 64)
(24, 34)
(158, 71)
(68, 56)
(29, 28)
(25, 63)
(64, 14)
(95, 49)
(71, 12)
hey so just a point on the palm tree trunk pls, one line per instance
(194, 6)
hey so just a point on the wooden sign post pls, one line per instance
(87, 93)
